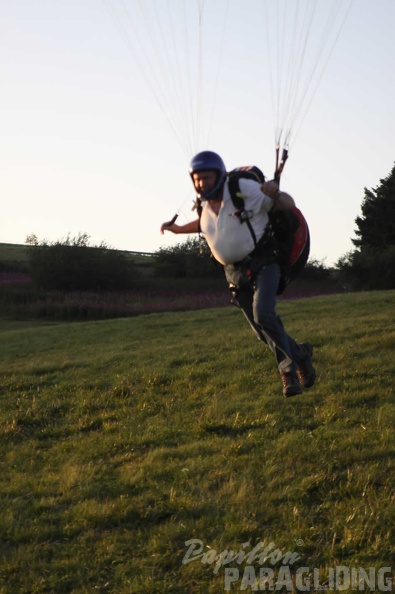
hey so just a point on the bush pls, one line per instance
(72, 265)
(190, 259)
(315, 270)
(368, 269)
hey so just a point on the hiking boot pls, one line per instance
(306, 370)
(291, 384)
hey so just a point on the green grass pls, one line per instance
(123, 439)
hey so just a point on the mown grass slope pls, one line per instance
(122, 440)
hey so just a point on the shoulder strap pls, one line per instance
(198, 207)
(249, 172)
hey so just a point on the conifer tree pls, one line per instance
(372, 264)
(376, 226)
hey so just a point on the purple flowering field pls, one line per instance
(14, 278)
(21, 301)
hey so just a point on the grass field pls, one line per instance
(14, 256)
(19, 252)
(122, 440)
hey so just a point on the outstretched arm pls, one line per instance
(192, 227)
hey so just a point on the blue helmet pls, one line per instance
(204, 161)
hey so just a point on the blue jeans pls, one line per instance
(259, 307)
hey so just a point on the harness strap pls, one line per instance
(238, 200)
(237, 197)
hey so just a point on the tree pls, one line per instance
(372, 264)
(376, 226)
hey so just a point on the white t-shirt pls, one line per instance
(230, 240)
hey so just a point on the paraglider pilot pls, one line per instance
(254, 277)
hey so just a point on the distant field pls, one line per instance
(15, 257)
(14, 252)
(123, 440)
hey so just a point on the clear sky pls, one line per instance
(86, 143)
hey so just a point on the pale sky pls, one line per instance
(85, 140)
